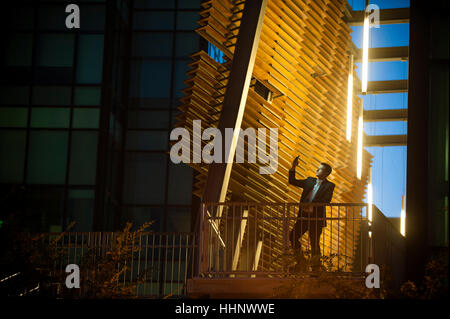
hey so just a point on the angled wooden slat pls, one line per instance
(384, 54)
(387, 16)
(385, 115)
(385, 140)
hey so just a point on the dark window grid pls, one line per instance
(149, 129)
(155, 206)
(165, 10)
(160, 58)
(147, 109)
(30, 97)
(51, 186)
(162, 31)
(61, 129)
(148, 151)
(69, 146)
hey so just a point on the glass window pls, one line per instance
(148, 141)
(21, 18)
(180, 184)
(189, 4)
(145, 177)
(92, 17)
(187, 20)
(90, 59)
(19, 50)
(178, 220)
(152, 4)
(13, 116)
(50, 117)
(152, 44)
(86, 118)
(55, 49)
(87, 96)
(53, 17)
(14, 95)
(49, 201)
(180, 75)
(47, 157)
(12, 155)
(83, 158)
(148, 119)
(154, 20)
(80, 209)
(187, 43)
(151, 79)
(51, 95)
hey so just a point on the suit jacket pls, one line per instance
(323, 195)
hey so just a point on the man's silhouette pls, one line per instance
(312, 219)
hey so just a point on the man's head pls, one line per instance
(323, 171)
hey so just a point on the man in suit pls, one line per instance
(312, 219)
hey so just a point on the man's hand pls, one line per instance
(295, 162)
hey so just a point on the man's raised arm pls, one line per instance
(292, 179)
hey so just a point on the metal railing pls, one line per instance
(161, 262)
(273, 239)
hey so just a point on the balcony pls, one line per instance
(245, 249)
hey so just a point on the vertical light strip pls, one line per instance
(403, 218)
(370, 197)
(360, 144)
(350, 100)
(365, 58)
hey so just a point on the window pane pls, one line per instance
(12, 156)
(147, 141)
(52, 17)
(189, 4)
(92, 17)
(145, 176)
(148, 119)
(19, 49)
(13, 116)
(55, 49)
(47, 157)
(179, 220)
(83, 158)
(187, 44)
(87, 96)
(151, 79)
(180, 75)
(21, 17)
(86, 118)
(90, 59)
(152, 44)
(80, 208)
(14, 95)
(51, 95)
(154, 20)
(187, 20)
(50, 117)
(50, 203)
(151, 4)
(180, 184)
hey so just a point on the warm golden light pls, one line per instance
(365, 58)
(370, 197)
(360, 145)
(403, 218)
(350, 100)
